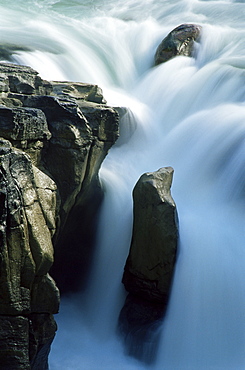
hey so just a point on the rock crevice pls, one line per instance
(53, 139)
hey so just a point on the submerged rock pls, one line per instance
(150, 265)
(180, 41)
(53, 139)
(8, 50)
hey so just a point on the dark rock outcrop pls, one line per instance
(180, 41)
(53, 139)
(74, 164)
(149, 267)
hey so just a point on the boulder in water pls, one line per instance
(149, 268)
(180, 41)
(150, 264)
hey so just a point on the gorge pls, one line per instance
(187, 113)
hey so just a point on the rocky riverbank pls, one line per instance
(54, 137)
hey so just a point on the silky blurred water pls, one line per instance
(188, 113)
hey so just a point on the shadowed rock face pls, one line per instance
(149, 268)
(53, 139)
(180, 41)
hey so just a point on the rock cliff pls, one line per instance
(53, 139)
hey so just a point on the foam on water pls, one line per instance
(187, 113)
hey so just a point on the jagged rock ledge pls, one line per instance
(53, 139)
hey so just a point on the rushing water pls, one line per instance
(188, 113)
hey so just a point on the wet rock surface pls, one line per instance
(50, 154)
(180, 41)
(150, 265)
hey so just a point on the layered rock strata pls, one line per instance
(150, 265)
(53, 138)
(180, 41)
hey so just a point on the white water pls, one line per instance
(188, 113)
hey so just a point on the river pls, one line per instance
(188, 113)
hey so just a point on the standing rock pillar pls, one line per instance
(150, 265)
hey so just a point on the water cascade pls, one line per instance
(187, 113)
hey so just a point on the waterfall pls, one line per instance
(187, 113)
